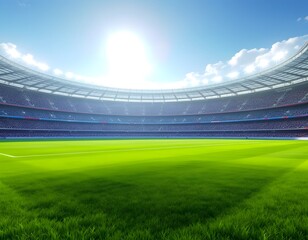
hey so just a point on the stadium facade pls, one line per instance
(273, 103)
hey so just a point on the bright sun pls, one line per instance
(127, 58)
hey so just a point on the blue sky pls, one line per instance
(184, 41)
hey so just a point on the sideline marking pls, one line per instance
(104, 151)
(8, 155)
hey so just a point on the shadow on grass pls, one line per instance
(146, 196)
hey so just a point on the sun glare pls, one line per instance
(127, 58)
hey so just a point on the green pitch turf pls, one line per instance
(154, 189)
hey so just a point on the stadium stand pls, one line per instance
(272, 104)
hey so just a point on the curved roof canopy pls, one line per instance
(293, 71)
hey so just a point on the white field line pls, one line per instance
(7, 155)
(104, 151)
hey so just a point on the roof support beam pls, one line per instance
(57, 89)
(246, 87)
(7, 73)
(274, 79)
(293, 74)
(300, 68)
(23, 79)
(231, 90)
(42, 81)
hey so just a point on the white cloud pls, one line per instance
(250, 69)
(233, 75)
(42, 66)
(234, 60)
(217, 79)
(280, 55)
(28, 58)
(302, 19)
(10, 50)
(69, 75)
(244, 56)
(248, 61)
(261, 62)
(57, 71)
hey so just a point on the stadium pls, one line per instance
(223, 159)
(270, 104)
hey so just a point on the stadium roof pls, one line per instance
(293, 71)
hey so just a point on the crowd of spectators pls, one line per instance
(30, 124)
(253, 101)
(29, 113)
(9, 133)
(269, 113)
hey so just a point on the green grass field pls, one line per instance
(154, 189)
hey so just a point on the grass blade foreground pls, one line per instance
(154, 189)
